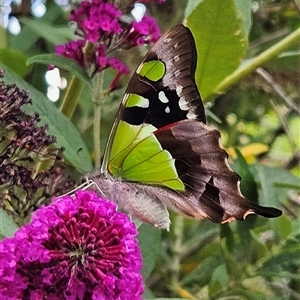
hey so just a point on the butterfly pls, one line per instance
(160, 152)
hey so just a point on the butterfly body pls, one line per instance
(160, 152)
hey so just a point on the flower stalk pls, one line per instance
(70, 100)
(258, 61)
(98, 100)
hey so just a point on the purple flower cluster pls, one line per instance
(22, 144)
(75, 248)
(101, 29)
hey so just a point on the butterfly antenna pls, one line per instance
(84, 186)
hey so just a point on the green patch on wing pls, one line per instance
(153, 70)
(136, 100)
(137, 155)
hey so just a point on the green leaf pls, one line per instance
(165, 298)
(7, 225)
(282, 226)
(148, 294)
(296, 226)
(248, 294)
(227, 233)
(249, 190)
(62, 128)
(281, 264)
(53, 34)
(191, 6)
(150, 242)
(286, 260)
(220, 275)
(221, 42)
(202, 275)
(289, 60)
(62, 62)
(26, 41)
(248, 184)
(275, 183)
(265, 179)
(15, 60)
(245, 8)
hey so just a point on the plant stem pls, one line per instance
(258, 61)
(278, 90)
(176, 250)
(3, 38)
(97, 119)
(71, 97)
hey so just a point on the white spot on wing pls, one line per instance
(179, 89)
(167, 40)
(138, 70)
(131, 100)
(144, 102)
(183, 104)
(191, 115)
(162, 97)
(176, 58)
(176, 73)
(167, 110)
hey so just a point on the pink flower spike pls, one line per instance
(118, 65)
(143, 32)
(73, 50)
(77, 247)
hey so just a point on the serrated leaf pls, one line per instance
(62, 62)
(62, 128)
(221, 42)
(150, 243)
(7, 225)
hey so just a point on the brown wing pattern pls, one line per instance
(176, 50)
(202, 166)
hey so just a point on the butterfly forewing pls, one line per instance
(162, 91)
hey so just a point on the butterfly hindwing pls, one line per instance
(202, 166)
(160, 152)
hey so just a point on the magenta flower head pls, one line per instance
(103, 27)
(76, 248)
